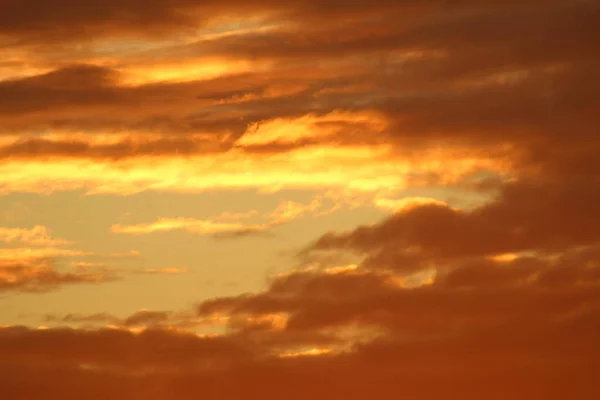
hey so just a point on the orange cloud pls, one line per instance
(37, 236)
(203, 69)
(399, 205)
(203, 227)
(40, 275)
(183, 322)
(310, 352)
(354, 168)
(25, 253)
(290, 131)
(516, 221)
(473, 312)
(391, 104)
(167, 271)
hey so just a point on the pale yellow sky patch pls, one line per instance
(236, 216)
(86, 265)
(290, 210)
(168, 271)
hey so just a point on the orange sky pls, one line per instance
(326, 199)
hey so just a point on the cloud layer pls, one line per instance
(495, 299)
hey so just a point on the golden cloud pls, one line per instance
(37, 236)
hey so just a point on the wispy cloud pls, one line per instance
(165, 271)
(220, 227)
(203, 227)
(36, 236)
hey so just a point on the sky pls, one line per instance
(328, 199)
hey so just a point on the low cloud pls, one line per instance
(42, 275)
(37, 236)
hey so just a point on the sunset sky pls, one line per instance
(296, 199)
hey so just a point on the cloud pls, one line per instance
(526, 216)
(453, 86)
(307, 127)
(498, 300)
(166, 271)
(478, 304)
(42, 275)
(32, 253)
(78, 318)
(157, 17)
(135, 322)
(36, 236)
(400, 205)
(43, 269)
(219, 227)
(146, 317)
(501, 320)
(354, 168)
(65, 347)
(203, 227)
